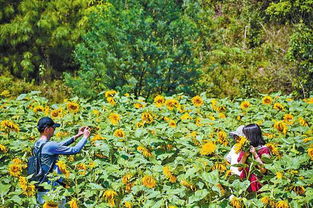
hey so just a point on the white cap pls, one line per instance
(238, 131)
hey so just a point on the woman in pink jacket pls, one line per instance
(258, 150)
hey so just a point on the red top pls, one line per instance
(255, 185)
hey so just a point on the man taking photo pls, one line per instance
(49, 151)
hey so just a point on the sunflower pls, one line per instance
(207, 148)
(171, 104)
(172, 123)
(63, 168)
(265, 200)
(185, 116)
(173, 179)
(198, 122)
(245, 105)
(23, 182)
(187, 184)
(128, 187)
(72, 107)
(181, 108)
(220, 167)
(300, 190)
(61, 134)
(97, 137)
(310, 153)
(30, 190)
(111, 100)
(81, 167)
(15, 169)
(281, 127)
(288, 119)
(308, 100)
(221, 188)
(166, 171)
(279, 175)
(9, 126)
(73, 203)
(278, 106)
(50, 204)
(273, 148)
(305, 140)
(282, 204)
(221, 115)
(241, 144)
(267, 100)
(5, 93)
(96, 112)
(127, 204)
(17, 161)
(303, 122)
(214, 105)
(144, 151)
(148, 181)
(126, 178)
(110, 93)
(159, 101)
(146, 117)
(268, 135)
(197, 101)
(56, 113)
(168, 174)
(110, 195)
(114, 118)
(140, 124)
(119, 133)
(235, 202)
(3, 148)
(139, 105)
(38, 108)
(222, 137)
(221, 108)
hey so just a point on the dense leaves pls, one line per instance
(37, 37)
(162, 154)
(145, 50)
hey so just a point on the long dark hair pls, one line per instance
(254, 134)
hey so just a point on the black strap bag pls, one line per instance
(34, 165)
(34, 168)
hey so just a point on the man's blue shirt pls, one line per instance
(51, 150)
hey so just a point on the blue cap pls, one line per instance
(46, 122)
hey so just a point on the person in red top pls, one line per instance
(258, 150)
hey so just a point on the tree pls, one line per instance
(301, 53)
(37, 37)
(145, 48)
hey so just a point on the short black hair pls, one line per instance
(254, 134)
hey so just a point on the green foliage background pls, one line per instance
(120, 156)
(226, 48)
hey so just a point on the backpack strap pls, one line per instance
(38, 155)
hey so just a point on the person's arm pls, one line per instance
(67, 141)
(57, 149)
(228, 157)
(261, 167)
(243, 158)
(258, 159)
(73, 138)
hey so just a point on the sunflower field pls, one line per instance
(166, 153)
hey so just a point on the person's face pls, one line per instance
(49, 131)
(237, 138)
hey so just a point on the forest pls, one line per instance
(225, 48)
